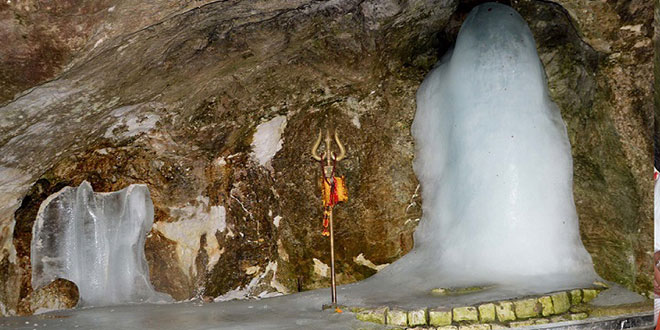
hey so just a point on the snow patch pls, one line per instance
(267, 140)
(194, 220)
(361, 260)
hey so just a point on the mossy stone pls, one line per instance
(504, 311)
(588, 295)
(527, 308)
(465, 314)
(576, 297)
(546, 306)
(447, 327)
(520, 324)
(579, 316)
(560, 318)
(376, 315)
(417, 317)
(474, 327)
(487, 313)
(561, 302)
(397, 317)
(439, 317)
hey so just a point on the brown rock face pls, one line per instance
(59, 294)
(179, 102)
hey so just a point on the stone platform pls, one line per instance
(546, 311)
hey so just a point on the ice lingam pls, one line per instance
(495, 167)
(95, 240)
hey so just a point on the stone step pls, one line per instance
(549, 308)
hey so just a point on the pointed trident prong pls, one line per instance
(342, 151)
(328, 155)
(315, 155)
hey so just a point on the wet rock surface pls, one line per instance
(175, 93)
(59, 294)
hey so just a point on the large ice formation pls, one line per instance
(95, 240)
(495, 167)
(494, 159)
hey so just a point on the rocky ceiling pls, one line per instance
(171, 94)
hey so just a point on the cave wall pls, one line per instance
(171, 94)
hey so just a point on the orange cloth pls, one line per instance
(330, 198)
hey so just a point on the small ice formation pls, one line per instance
(495, 167)
(267, 140)
(95, 240)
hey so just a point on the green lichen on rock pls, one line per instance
(498, 326)
(447, 327)
(541, 321)
(560, 318)
(465, 314)
(504, 311)
(520, 324)
(417, 317)
(576, 296)
(474, 327)
(546, 305)
(487, 313)
(458, 291)
(579, 316)
(561, 302)
(526, 308)
(397, 317)
(588, 295)
(372, 315)
(439, 317)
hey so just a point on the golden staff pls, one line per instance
(328, 172)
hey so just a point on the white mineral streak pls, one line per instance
(267, 140)
(320, 268)
(276, 221)
(257, 281)
(129, 124)
(495, 167)
(95, 240)
(361, 260)
(192, 221)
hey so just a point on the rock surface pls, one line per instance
(173, 94)
(59, 294)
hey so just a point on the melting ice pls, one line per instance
(95, 240)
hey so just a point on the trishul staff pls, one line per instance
(334, 191)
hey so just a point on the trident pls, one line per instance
(328, 171)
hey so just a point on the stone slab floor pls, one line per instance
(296, 311)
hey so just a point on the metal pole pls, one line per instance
(332, 263)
